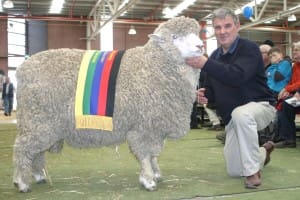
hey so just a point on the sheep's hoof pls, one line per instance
(39, 178)
(22, 187)
(42, 181)
(25, 191)
(149, 185)
(157, 177)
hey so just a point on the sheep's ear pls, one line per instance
(156, 37)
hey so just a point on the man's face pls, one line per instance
(265, 56)
(226, 31)
(296, 54)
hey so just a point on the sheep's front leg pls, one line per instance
(147, 176)
(156, 170)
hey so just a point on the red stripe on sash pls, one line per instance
(104, 83)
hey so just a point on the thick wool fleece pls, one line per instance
(154, 99)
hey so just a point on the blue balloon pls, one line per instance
(248, 12)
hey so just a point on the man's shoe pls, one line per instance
(269, 146)
(5, 114)
(253, 181)
(196, 127)
(207, 124)
(285, 144)
(221, 136)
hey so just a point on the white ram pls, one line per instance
(154, 96)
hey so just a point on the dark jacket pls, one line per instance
(236, 78)
(10, 90)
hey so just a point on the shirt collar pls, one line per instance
(231, 49)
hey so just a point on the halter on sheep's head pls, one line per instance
(179, 35)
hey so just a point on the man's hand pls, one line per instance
(201, 96)
(297, 95)
(196, 62)
(283, 94)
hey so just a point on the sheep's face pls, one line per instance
(179, 37)
(189, 45)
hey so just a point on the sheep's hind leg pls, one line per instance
(23, 158)
(147, 177)
(156, 170)
(38, 168)
(29, 160)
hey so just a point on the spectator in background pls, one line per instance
(213, 118)
(269, 42)
(8, 96)
(264, 50)
(214, 121)
(194, 124)
(280, 71)
(288, 58)
(286, 114)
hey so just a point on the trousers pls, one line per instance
(242, 153)
(8, 104)
(286, 122)
(212, 116)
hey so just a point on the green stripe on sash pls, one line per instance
(89, 82)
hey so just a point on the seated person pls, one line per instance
(194, 117)
(286, 114)
(264, 50)
(215, 122)
(279, 73)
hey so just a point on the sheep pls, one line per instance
(154, 96)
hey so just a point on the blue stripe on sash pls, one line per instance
(96, 83)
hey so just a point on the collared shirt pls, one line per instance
(7, 88)
(232, 48)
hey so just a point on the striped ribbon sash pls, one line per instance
(95, 92)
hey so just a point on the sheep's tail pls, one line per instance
(47, 175)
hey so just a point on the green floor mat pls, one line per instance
(193, 168)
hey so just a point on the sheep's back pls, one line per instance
(46, 85)
(146, 98)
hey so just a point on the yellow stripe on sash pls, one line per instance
(94, 122)
(81, 82)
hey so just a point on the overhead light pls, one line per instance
(170, 13)
(8, 4)
(56, 6)
(166, 11)
(132, 30)
(292, 18)
(295, 7)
